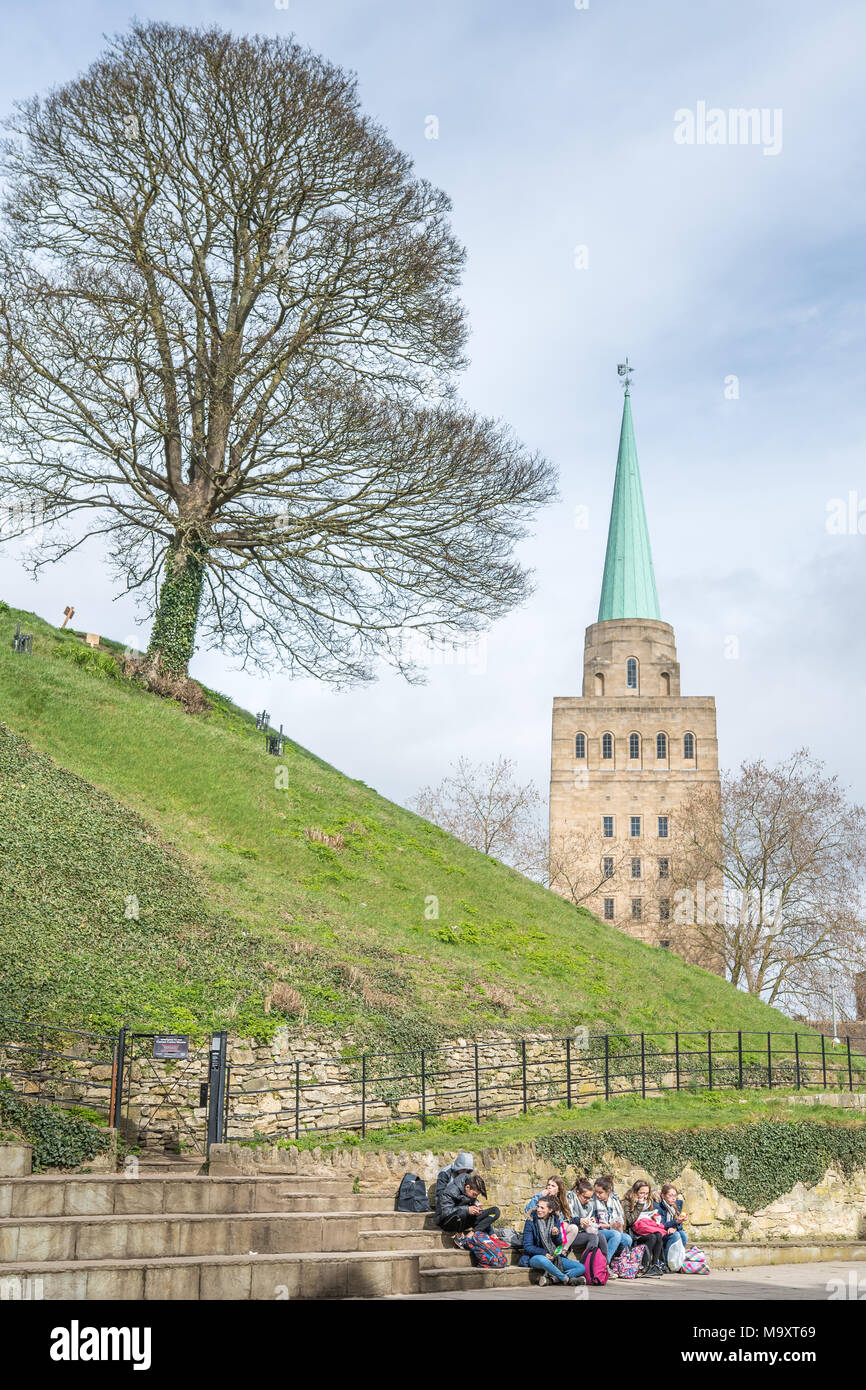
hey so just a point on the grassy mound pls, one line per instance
(272, 890)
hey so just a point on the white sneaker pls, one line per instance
(543, 1280)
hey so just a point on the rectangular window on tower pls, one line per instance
(608, 909)
(607, 827)
(635, 827)
(607, 866)
(664, 909)
(636, 909)
(635, 868)
(663, 827)
(664, 868)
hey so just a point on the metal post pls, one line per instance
(226, 1106)
(770, 1060)
(568, 1072)
(643, 1066)
(677, 1056)
(477, 1095)
(364, 1096)
(297, 1100)
(216, 1088)
(850, 1073)
(607, 1066)
(523, 1069)
(824, 1060)
(117, 1079)
(797, 1057)
(740, 1054)
(710, 1057)
(423, 1091)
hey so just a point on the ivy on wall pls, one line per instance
(752, 1164)
(60, 1138)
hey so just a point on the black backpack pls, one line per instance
(412, 1194)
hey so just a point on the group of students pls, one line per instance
(564, 1224)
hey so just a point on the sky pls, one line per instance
(603, 216)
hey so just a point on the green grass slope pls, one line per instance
(270, 890)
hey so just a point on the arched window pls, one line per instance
(666, 683)
(599, 683)
(634, 746)
(631, 673)
(580, 745)
(688, 745)
(607, 745)
(661, 745)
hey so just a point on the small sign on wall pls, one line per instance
(171, 1047)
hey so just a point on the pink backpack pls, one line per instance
(595, 1267)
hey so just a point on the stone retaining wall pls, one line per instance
(833, 1209)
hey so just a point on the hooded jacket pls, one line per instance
(463, 1161)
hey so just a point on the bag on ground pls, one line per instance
(511, 1238)
(627, 1264)
(675, 1256)
(486, 1252)
(595, 1267)
(695, 1261)
(412, 1194)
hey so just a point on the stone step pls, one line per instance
(332, 1275)
(453, 1278)
(740, 1255)
(70, 1238)
(387, 1238)
(98, 1195)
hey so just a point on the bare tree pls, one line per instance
(229, 335)
(485, 806)
(579, 864)
(788, 850)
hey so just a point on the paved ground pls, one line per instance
(760, 1283)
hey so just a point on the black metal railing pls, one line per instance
(64, 1066)
(479, 1080)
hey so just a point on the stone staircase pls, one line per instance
(171, 1235)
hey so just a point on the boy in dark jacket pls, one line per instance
(543, 1235)
(460, 1206)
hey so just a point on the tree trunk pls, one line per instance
(172, 640)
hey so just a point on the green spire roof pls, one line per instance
(628, 589)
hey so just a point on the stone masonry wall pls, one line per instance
(834, 1209)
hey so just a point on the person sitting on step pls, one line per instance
(544, 1246)
(460, 1168)
(670, 1209)
(580, 1206)
(555, 1189)
(460, 1208)
(642, 1220)
(608, 1212)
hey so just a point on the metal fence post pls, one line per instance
(643, 1066)
(297, 1100)
(770, 1060)
(477, 1095)
(850, 1073)
(607, 1066)
(364, 1096)
(423, 1092)
(568, 1072)
(740, 1054)
(523, 1069)
(117, 1079)
(710, 1057)
(677, 1056)
(216, 1088)
(824, 1060)
(797, 1057)
(226, 1106)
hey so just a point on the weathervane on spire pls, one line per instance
(624, 370)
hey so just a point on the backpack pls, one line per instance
(675, 1256)
(627, 1264)
(412, 1194)
(486, 1252)
(695, 1261)
(595, 1267)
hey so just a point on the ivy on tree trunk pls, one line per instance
(172, 640)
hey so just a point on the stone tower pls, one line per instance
(626, 751)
